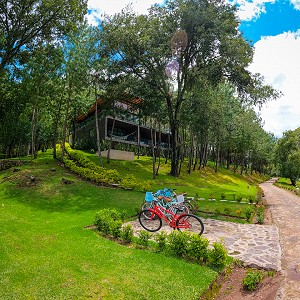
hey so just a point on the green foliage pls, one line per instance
(227, 211)
(198, 248)
(239, 198)
(146, 185)
(287, 155)
(217, 211)
(161, 240)
(143, 238)
(218, 255)
(129, 182)
(260, 216)
(108, 221)
(178, 241)
(248, 213)
(251, 280)
(127, 233)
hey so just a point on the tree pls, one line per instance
(287, 155)
(176, 44)
(25, 24)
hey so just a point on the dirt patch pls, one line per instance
(230, 287)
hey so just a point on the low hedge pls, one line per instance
(81, 165)
(185, 245)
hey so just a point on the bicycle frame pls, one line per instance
(163, 213)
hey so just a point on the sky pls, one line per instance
(273, 29)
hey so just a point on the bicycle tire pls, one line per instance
(152, 223)
(190, 206)
(194, 204)
(190, 222)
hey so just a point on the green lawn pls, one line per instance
(47, 253)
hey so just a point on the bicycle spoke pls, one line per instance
(190, 223)
(149, 220)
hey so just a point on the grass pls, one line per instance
(199, 184)
(47, 253)
(286, 184)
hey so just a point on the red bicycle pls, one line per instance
(151, 220)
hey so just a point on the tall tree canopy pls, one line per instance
(176, 44)
(25, 24)
(288, 155)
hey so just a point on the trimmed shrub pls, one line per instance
(161, 240)
(127, 233)
(218, 255)
(129, 182)
(198, 247)
(178, 243)
(108, 221)
(144, 237)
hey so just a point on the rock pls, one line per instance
(67, 181)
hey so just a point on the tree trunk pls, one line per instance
(175, 150)
(158, 149)
(97, 128)
(153, 154)
(110, 140)
(217, 158)
(55, 130)
(34, 132)
(191, 157)
(65, 125)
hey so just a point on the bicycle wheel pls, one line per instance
(150, 220)
(190, 206)
(190, 223)
(194, 204)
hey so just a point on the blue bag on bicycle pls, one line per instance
(149, 197)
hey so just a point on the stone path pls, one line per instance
(285, 208)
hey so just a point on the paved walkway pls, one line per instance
(285, 208)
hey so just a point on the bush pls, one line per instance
(127, 233)
(218, 255)
(260, 216)
(144, 237)
(248, 214)
(146, 185)
(252, 279)
(108, 221)
(217, 211)
(227, 211)
(239, 198)
(161, 240)
(178, 243)
(198, 247)
(129, 182)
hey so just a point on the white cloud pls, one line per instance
(296, 4)
(249, 10)
(98, 7)
(277, 59)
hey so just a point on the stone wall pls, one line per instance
(118, 154)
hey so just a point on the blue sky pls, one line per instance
(273, 27)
